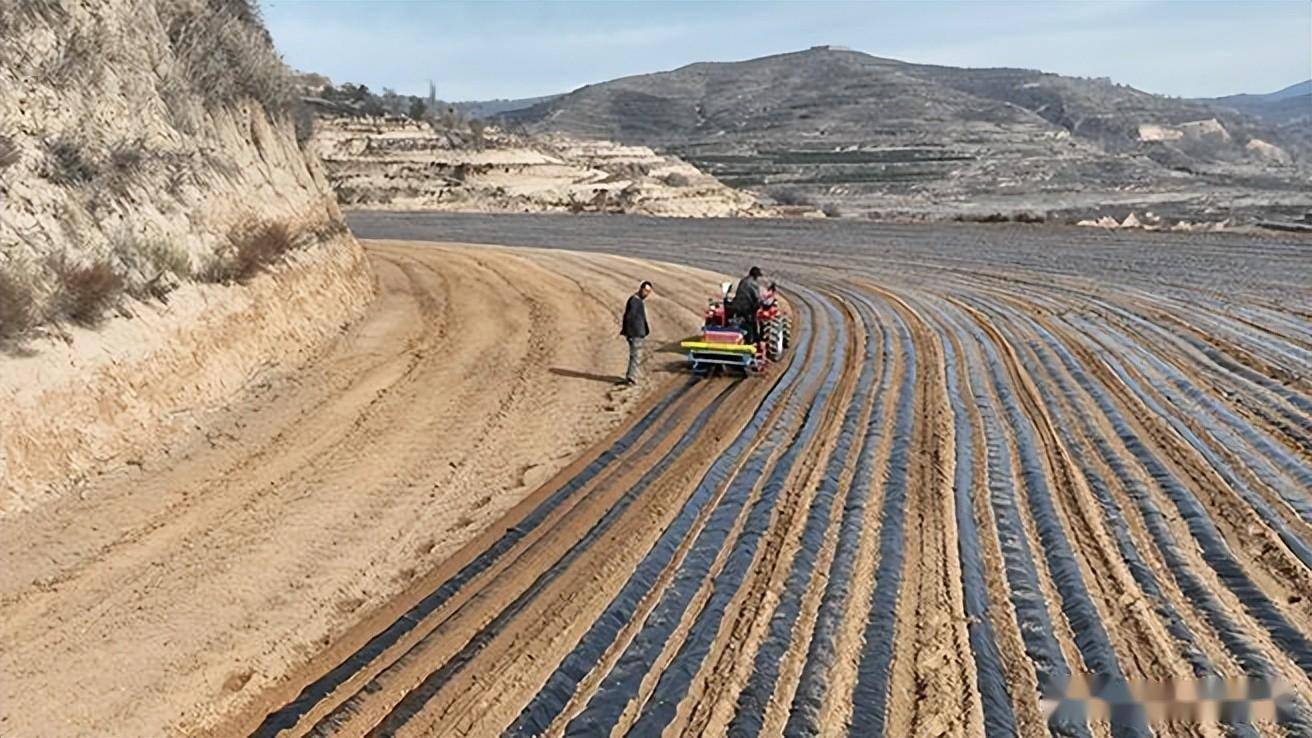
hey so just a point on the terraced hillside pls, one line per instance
(877, 135)
(998, 462)
(403, 164)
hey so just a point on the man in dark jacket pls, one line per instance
(747, 300)
(634, 328)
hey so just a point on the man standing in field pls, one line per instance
(634, 329)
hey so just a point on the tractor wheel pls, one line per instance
(788, 331)
(775, 338)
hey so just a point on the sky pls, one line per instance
(486, 50)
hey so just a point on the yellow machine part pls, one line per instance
(730, 348)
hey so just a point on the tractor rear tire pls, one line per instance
(776, 338)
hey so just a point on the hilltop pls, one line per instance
(1288, 106)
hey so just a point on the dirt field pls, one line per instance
(999, 457)
(169, 592)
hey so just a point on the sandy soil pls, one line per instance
(994, 462)
(172, 589)
(998, 463)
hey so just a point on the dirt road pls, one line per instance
(171, 591)
(998, 461)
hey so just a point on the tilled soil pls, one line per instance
(998, 462)
(169, 593)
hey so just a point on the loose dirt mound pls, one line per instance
(188, 579)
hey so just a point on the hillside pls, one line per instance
(494, 108)
(1290, 105)
(882, 135)
(163, 233)
(399, 163)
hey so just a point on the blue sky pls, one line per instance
(480, 50)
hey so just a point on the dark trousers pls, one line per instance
(748, 322)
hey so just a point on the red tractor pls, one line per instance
(724, 340)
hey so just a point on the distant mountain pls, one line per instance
(1298, 89)
(492, 108)
(883, 134)
(1293, 103)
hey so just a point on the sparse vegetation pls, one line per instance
(1022, 217)
(75, 59)
(794, 198)
(69, 163)
(676, 179)
(152, 267)
(9, 153)
(17, 303)
(303, 122)
(127, 157)
(226, 55)
(325, 226)
(254, 244)
(83, 292)
(125, 162)
(831, 210)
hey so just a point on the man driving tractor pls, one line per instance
(746, 301)
(747, 329)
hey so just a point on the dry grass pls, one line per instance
(9, 153)
(78, 59)
(126, 158)
(17, 304)
(151, 267)
(69, 163)
(226, 55)
(325, 226)
(85, 291)
(257, 245)
(253, 245)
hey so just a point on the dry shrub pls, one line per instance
(253, 245)
(85, 291)
(303, 123)
(9, 153)
(126, 158)
(792, 197)
(325, 227)
(676, 179)
(17, 304)
(832, 211)
(69, 162)
(257, 245)
(151, 267)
